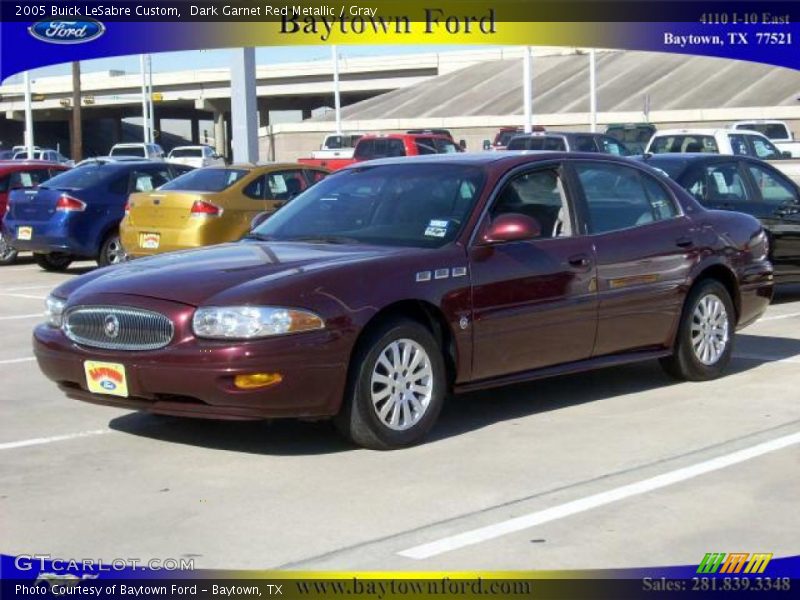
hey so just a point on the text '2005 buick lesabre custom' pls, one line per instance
(392, 284)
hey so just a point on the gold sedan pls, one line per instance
(209, 206)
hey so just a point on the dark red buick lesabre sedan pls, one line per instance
(382, 289)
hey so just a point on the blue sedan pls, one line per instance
(77, 214)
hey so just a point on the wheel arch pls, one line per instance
(726, 276)
(426, 314)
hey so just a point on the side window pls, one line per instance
(255, 189)
(425, 146)
(723, 184)
(619, 197)
(774, 188)
(285, 185)
(584, 143)
(738, 144)
(538, 194)
(660, 200)
(763, 148)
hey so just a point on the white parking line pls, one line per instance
(26, 296)
(490, 532)
(777, 317)
(11, 361)
(22, 288)
(30, 316)
(50, 440)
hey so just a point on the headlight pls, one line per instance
(54, 310)
(245, 322)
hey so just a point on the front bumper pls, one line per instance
(194, 377)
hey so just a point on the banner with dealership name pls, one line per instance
(46, 32)
(737, 573)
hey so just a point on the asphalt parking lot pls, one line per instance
(615, 468)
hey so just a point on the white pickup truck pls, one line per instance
(777, 131)
(744, 142)
(338, 145)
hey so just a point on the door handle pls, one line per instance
(684, 242)
(579, 261)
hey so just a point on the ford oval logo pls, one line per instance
(67, 32)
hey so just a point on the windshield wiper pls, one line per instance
(258, 236)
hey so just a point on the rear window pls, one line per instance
(380, 148)
(81, 177)
(186, 153)
(774, 131)
(137, 151)
(551, 143)
(206, 180)
(684, 143)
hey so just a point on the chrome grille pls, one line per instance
(114, 328)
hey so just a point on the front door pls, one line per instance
(534, 301)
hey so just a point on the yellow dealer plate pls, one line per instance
(24, 233)
(106, 378)
(149, 241)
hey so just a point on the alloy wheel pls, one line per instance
(710, 329)
(402, 384)
(115, 253)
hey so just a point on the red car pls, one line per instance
(389, 285)
(14, 175)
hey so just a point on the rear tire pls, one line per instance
(112, 251)
(54, 261)
(396, 387)
(705, 336)
(8, 254)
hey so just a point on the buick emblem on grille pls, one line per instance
(111, 326)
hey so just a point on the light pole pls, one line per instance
(593, 89)
(76, 146)
(336, 99)
(145, 119)
(527, 90)
(28, 116)
(150, 99)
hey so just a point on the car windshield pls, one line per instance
(774, 131)
(418, 205)
(186, 153)
(684, 143)
(80, 177)
(137, 151)
(205, 180)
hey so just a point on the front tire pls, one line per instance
(112, 252)
(704, 344)
(54, 261)
(396, 387)
(8, 254)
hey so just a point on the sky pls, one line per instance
(209, 59)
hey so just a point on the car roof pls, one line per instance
(487, 158)
(703, 131)
(21, 165)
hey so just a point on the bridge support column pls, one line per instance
(244, 111)
(195, 128)
(220, 143)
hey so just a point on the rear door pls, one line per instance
(534, 301)
(644, 249)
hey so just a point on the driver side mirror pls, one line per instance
(487, 144)
(786, 154)
(512, 227)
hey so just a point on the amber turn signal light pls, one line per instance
(254, 381)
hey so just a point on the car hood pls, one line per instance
(200, 277)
